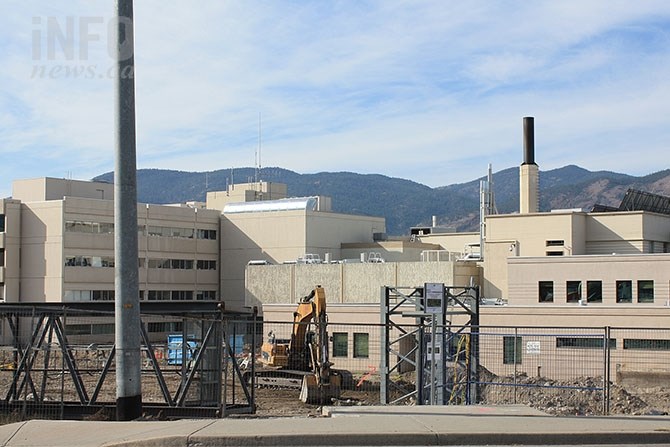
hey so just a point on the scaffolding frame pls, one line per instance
(432, 383)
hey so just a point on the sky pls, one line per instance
(427, 90)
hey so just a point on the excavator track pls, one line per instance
(277, 378)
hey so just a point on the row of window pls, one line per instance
(513, 346)
(341, 344)
(151, 295)
(594, 291)
(108, 261)
(108, 328)
(181, 295)
(151, 230)
(89, 261)
(182, 264)
(184, 233)
(653, 247)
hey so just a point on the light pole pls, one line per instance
(126, 282)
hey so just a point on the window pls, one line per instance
(182, 264)
(594, 291)
(154, 231)
(645, 291)
(89, 227)
(573, 291)
(512, 350)
(185, 233)
(106, 328)
(646, 344)
(167, 326)
(546, 291)
(583, 342)
(554, 253)
(78, 329)
(205, 295)
(361, 345)
(106, 228)
(2, 257)
(182, 295)
(176, 232)
(2, 223)
(77, 295)
(89, 261)
(159, 263)
(206, 265)
(159, 295)
(340, 344)
(103, 295)
(207, 234)
(624, 291)
(176, 264)
(555, 243)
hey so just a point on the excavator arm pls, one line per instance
(307, 353)
(322, 383)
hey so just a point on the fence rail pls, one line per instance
(59, 363)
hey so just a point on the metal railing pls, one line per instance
(59, 362)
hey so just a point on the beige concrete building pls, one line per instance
(284, 230)
(602, 245)
(59, 246)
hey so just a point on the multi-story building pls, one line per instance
(58, 243)
(260, 224)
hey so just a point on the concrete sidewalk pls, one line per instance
(444, 425)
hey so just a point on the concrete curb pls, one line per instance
(382, 439)
(366, 426)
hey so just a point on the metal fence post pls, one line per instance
(606, 375)
(516, 337)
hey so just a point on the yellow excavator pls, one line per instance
(303, 361)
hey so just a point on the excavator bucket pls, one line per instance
(312, 392)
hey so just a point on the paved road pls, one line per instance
(362, 426)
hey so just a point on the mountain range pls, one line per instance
(405, 203)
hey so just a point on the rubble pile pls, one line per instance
(582, 396)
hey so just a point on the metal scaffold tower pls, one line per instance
(430, 345)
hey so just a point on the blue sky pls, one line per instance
(430, 91)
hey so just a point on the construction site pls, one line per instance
(232, 365)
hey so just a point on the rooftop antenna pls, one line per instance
(486, 206)
(493, 209)
(258, 158)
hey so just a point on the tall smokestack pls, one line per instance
(528, 173)
(529, 140)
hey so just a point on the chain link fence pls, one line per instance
(59, 364)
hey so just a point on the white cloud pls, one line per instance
(428, 90)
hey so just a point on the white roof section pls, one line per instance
(291, 204)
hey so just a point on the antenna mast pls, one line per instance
(258, 157)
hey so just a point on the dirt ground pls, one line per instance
(284, 402)
(581, 397)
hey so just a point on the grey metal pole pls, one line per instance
(126, 282)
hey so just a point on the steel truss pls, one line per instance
(449, 378)
(37, 336)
